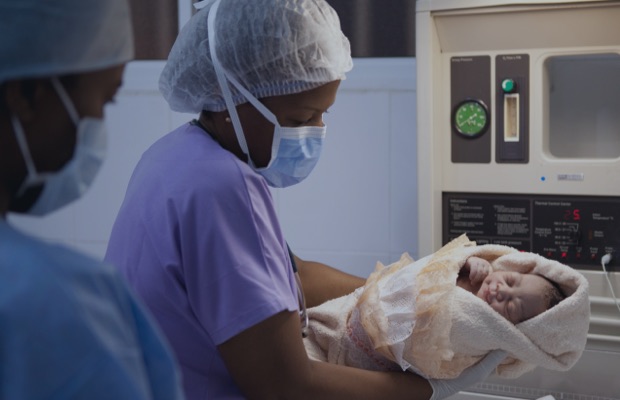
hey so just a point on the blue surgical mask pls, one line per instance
(71, 182)
(294, 151)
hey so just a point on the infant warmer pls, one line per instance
(519, 144)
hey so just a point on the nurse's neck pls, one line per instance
(220, 128)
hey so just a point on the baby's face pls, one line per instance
(517, 297)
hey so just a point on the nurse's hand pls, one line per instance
(443, 388)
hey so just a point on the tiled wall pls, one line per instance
(358, 207)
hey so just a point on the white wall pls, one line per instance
(358, 207)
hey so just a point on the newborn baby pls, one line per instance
(441, 314)
(515, 296)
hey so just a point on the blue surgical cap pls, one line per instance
(272, 47)
(56, 37)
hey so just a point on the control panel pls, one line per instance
(471, 112)
(574, 230)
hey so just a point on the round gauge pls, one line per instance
(471, 118)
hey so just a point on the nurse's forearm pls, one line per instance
(322, 282)
(340, 382)
(269, 361)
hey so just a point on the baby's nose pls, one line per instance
(500, 292)
(504, 293)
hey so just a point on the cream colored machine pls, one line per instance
(519, 144)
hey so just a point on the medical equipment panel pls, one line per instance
(575, 230)
(519, 144)
(471, 94)
(512, 108)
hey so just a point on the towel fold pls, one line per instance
(411, 315)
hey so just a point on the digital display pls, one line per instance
(575, 230)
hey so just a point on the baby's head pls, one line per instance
(519, 297)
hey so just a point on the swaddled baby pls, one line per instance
(514, 295)
(443, 313)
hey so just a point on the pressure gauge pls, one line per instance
(470, 118)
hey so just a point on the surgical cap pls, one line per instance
(56, 37)
(272, 47)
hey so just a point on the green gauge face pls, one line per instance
(471, 118)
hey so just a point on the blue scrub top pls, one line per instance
(70, 329)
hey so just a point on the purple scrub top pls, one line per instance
(198, 239)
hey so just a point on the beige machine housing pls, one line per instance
(545, 167)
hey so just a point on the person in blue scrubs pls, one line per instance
(69, 326)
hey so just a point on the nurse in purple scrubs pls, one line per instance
(197, 235)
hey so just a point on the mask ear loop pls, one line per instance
(32, 178)
(223, 77)
(253, 100)
(66, 101)
(35, 178)
(275, 142)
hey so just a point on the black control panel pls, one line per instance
(574, 230)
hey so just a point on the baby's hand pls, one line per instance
(478, 269)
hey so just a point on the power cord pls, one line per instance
(606, 259)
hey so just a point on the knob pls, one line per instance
(508, 85)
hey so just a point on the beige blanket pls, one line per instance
(412, 316)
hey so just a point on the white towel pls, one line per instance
(411, 315)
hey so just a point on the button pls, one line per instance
(508, 85)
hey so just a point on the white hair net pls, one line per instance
(272, 47)
(55, 37)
